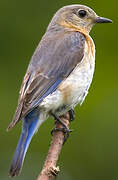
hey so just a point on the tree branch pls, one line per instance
(50, 171)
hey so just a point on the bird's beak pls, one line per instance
(102, 20)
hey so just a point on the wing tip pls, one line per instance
(11, 125)
(16, 118)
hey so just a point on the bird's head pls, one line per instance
(77, 17)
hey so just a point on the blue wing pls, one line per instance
(54, 59)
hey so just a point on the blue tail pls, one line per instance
(29, 127)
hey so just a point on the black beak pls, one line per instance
(102, 20)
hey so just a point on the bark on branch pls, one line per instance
(50, 171)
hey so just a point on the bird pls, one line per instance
(58, 76)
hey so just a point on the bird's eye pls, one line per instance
(82, 13)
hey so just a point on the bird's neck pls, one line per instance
(84, 31)
(73, 27)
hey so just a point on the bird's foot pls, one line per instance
(72, 114)
(66, 132)
(64, 129)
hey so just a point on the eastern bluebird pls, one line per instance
(59, 74)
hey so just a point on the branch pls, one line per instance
(50, 171)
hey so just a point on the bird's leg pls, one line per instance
(72, 114)
(64, 129)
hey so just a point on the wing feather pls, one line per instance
(54, 59)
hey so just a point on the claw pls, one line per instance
(66, 132)
(64, 129)
(72, 114)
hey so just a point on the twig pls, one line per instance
(50, 171)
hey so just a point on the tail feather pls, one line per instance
(30, 124)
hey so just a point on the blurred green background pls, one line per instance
(91, 152)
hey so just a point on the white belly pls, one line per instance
(74, 89)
